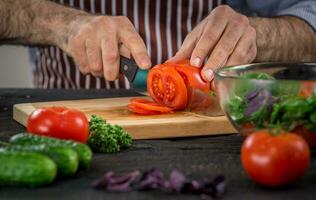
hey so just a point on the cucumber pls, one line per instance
(84, 152)
(26, 169)
(65, 158)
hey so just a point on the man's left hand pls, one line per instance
(224, 36)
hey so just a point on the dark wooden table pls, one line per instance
(197, 157)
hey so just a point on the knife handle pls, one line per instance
(128, 67)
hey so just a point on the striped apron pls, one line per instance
(163, 25)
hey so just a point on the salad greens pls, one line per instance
(107, 138)
(277, 104)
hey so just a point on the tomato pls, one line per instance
(166, 87)
(59, 122)
(192, 77)
(138, 110)
(149, 105)
(307, 88)
(274, 160)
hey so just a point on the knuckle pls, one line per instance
(227, 47)
(223, 9)
(110, 74)
(220, 55)
(210, 38)
(252, 32)
(123, 21)
(253, 52)
(83, 69)
(111, 56)
(242, 20)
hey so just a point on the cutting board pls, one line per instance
(177, 124)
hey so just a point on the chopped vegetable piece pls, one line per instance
(140, 111)
(154, 179)
(107, 138)
(149, 105)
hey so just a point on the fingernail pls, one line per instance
(208, 74)
(145, 63)
(196, 62)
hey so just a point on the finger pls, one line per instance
(189, 43)
(212, 32)
(77, 51)
(93, 50)
(225, 46)
(246, 49)
(186, 49)
(124, 51)
(131, 39)
(110, 57)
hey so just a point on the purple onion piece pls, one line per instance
(151, 179)
(252, 94)
(154, 179)
(262, 98)
(177, 180)
(114, 183)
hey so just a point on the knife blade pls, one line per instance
(136, 76)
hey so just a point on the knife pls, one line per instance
(136, 76)
(199, 101)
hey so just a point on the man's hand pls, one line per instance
(225, 37)
(96, 42)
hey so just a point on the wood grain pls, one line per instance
(178, 124)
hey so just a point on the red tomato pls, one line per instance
(166, 87)
(59, 122)
(275, 160)
(149, 105)
(191, 75)
(135, 109)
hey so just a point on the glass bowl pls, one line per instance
(269, 95)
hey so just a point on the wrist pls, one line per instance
(65, 25)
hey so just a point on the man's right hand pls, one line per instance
(96, 43)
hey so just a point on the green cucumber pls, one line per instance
(84, 152)
(65, 158)
(26, 169)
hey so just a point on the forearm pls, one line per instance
(35, 22)
(284, 39)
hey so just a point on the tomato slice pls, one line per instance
(166, 86)
(149, 105)
(133, 108)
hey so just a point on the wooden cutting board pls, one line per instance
(178, 124)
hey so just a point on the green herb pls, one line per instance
(281, 106)
(246, 83)
(107, 138)
(236, 107)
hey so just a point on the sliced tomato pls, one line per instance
(192, 78)
(133, 108)
(149, 105)
(166, 86)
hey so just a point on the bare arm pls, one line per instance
(95, 42)
(284, 39)
(35, 22)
